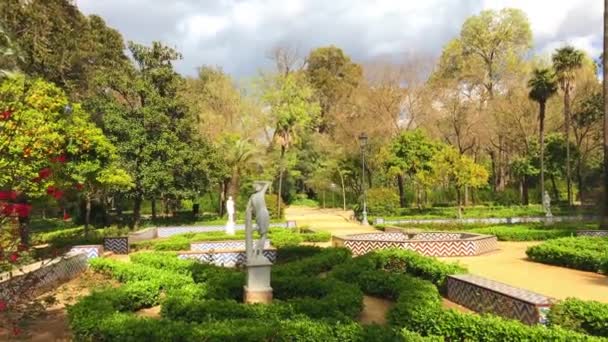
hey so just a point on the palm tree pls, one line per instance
(542, 86)
(566, 61)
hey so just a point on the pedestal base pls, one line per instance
(258, 288)
(257, 296)
(229, 228)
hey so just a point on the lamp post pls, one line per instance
(363, 145)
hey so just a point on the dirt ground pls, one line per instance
(510, 266)
(375, 309)
(335, 221)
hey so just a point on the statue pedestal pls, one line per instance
(258, 288)
(229, 227)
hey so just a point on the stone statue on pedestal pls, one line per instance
(230, 211)
(547, 204)
(257, 289)
(256, 206)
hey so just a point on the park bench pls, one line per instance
(488, 296)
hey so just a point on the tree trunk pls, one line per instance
(401, 191)
(604, 222)
(282, 168)
(153, 208)
(521, 191)
(221, 198)
(137, 210)
(567, 132)
(343, 191)
(541, 117)
(525, 191)
(459, 202)
(555, 191)
(466, 196)
(494, 176)
(579, 180)
(233, 184)
(87, 214)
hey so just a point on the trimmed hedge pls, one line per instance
(589, 317)
(582, 253)
(418, 306)
(523, 233)
(410, 262)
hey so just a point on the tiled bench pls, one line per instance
(91, 251)
(488, 296)
(218, 246)
(226, 258)
(592, 233)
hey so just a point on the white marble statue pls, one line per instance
(547, 204)
(230, 210)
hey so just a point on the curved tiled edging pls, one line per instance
(488, 296)
(91, 251)
(592, 233)
(41, 276)
(207, 246)
(443, 244)
(226, 258)
(491, 220)
(163, 232)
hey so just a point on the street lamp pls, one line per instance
(363, 145)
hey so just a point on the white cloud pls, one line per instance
(236, 34)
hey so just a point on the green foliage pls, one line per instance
(316, 236)
(583, 253)
(542, 85)
(589, 317)
(271, 204)
(382, 201)
(523, 233)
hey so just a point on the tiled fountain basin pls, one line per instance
(229, 253)
(442, 244)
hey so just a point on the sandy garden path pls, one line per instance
(509, 265)
(335, 221)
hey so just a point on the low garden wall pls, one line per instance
(163, 232)
(206, 246)
(487, 296)
(91, 251)
(490, 220)
(592, 233)
(444, 244)
(226, 258)
(41, 276)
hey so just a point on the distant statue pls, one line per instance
(230, 211)
(547, 204)
(256, 206)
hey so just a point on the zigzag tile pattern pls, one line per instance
(163, 232)
(91, 251)
(118, 245)
(432, 243)
(487, 296)
(42, 277)
(225, 259)
(592, 233)
(205, 246)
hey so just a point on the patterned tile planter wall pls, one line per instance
(118, 245)
(91, 251)
(170, 231)
(493, 220)
(41, 276)
(487, 296)
(206, 246)
(592, 233)
(228, 258)
(428, 243)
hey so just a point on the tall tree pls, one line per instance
(333, 76)
(293, 111)
(542, 86)
(62, 45)
(152, 129)
(566, 61)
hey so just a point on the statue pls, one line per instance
(256, 206)
(547, 204)
(230, 211)
(257, 289)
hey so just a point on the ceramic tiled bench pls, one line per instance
(488, 296)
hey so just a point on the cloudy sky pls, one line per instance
(237, 34)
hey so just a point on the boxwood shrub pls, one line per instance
(586, 316)
(583, 253)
